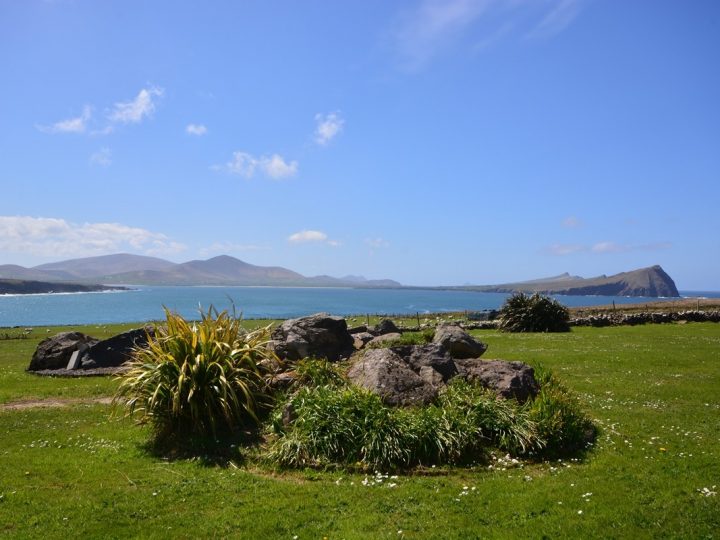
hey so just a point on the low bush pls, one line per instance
(197, 379)
(560, 420)
(533, 313)
(347, 425)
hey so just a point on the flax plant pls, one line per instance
(198, 379)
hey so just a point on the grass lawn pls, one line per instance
(653, 390)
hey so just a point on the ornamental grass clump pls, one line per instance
(347, 425)
(533, 313)
(198, 379)
(560, 420)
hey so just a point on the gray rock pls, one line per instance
(457, 342)
(385, 373)
(55, 352)
(320, 335)
(358, 329)
(385, 326)
(431, 355)
(384, 340)
(362, 338)
(508, 379)
(117, 350)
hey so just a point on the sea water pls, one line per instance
(145, 303)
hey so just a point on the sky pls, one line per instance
(432, 142)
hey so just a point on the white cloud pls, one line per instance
(310, 236)
(71, 125)
(307, 236)
(196, 129)
(328, 126)
(276, 167)
(54, 237)
(571, 222)
(245, 164)
(102, 157)
(376, 243)
(133, 112)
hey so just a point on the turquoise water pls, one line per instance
(146, 303)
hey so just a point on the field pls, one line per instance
(68, 470)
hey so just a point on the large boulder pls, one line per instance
(458, 342)
(507, 379)
(320, 335)
(387, 374)
(117, 350)
(55, 352)
(430, 356)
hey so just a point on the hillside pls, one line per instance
(651, 282)
(136, 269)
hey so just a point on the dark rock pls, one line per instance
(55, 352)
(358, 329)
(385, 373)
(457, 342)
(117, 350)
(385, 326)
(431, 355)
(508, 379)
(320, 335)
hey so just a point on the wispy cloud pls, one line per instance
(376, 243)
(565, 249)
(195, 129)
(435, 26)
(71, 125)
(230, 247)
(560, 17)
(328, 126)
(54, 237)
(134, 111)
(102, 157)
(604, 247)
(310, 236)
(246, 165)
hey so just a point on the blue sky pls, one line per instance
(464, 141)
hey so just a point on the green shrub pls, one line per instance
(533, 313)
(336, 425)
(344, 426)
(561, 422)
(197, 379)
(318, 372)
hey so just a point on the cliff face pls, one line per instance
(652, 282)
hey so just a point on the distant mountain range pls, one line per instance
(140, 270)
(652, 282)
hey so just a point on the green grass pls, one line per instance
(654, 390)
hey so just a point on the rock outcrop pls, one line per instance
(55, 352)
(320, 335)
(457, 342)
(415, 374)
(115, 351)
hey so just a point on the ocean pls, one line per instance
(145, 303)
